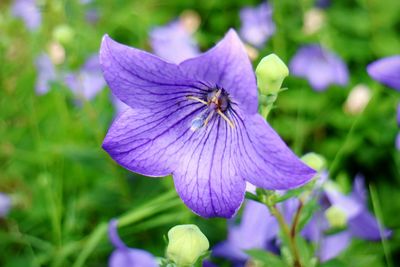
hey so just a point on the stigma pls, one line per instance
(217, 103)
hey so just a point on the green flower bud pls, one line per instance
(336, 217)
(315, 161)
(270, 72)
(186, 244)
(63, 34)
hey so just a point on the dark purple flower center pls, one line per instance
(217, 102)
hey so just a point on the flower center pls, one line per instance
(217, 102)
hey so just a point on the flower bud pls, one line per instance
(186, 244)
(336, 217)
(357, 100)
(63, 34)
(270, 72)
(315, 161)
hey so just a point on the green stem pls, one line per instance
(287, 232)
(377, 209)
(293, 230)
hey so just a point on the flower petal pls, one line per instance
(140, 79)
(149, 141)
(366, 226)
(333, 245)
(206, 178)
(349, 205)
(228, 66)
(386, 71)
(263, 158)
(132, 258)
(173, 42)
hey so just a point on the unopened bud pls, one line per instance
(186, 244)
(315, 161)
(357, 100)
(270, 72)
(336, 217)
(63, 34)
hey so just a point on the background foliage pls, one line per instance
(64, 186)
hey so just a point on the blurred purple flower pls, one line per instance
(319, 66)
(46, 73)
(397, 142)
(257, 24)
(199, 123)
(386, 71)
(124, 256)
(5, 204)
(88, 81)
(29, 12)
(92, 15)
(398, 115)
(173, 42)
(360, 222)
(257, 230)
(323, 3)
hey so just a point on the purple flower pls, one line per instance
(319, 66)
(87, 82)
(257, 230)
(173, 42)
(360, 222)
(5, 204)
(386, 71)
(197, 121)
(46, 73)
(397, 142)
(323, 3)
(29, 12)
(124, 256)
(257, 24)
(398, 115)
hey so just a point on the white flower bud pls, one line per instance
(270, 72)
(186, 244)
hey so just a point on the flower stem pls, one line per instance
(288, 233)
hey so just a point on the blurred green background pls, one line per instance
(63, 185)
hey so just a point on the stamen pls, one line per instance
(209, 117)
(216, 103)
(197, 99)
(226, 118)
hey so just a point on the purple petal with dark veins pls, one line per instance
(228, 66)
(263, 158)
(206, 178)
(386, 71)
(150, 142)
(142, 80)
